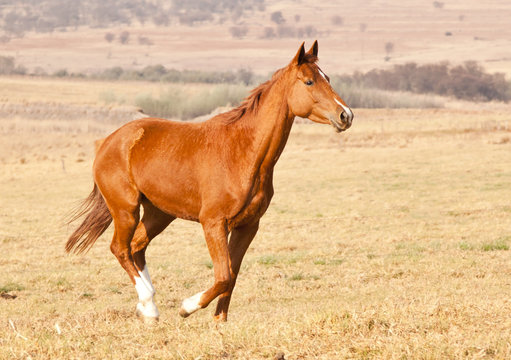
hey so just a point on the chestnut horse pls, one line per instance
(218, 172)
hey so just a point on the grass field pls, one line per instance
(390, 241)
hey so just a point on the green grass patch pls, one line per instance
(267, 260)
(336, 261)
(297, 277)
(10, 286)
(499, 244)
(466, 246)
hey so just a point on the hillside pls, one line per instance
(376, 34)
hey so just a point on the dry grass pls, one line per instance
(387, 242)
(18, 89)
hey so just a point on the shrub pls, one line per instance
(7, 65)
(61, 73)
(124, 37)
(468, 81)
(269, 33)
(238, 32)
(113, 73)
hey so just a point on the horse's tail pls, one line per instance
(96, 222)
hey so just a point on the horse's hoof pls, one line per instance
(220, 318)
(190, 305)
(150, 320)
(183, 313)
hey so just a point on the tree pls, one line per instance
(124, 37)
(269, 33)
(389, 47)
(277, 17)
(109, 37)
(238, 32)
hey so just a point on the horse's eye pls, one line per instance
(309, 82)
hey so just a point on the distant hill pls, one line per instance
(260, 35)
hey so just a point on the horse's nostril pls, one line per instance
(344, 117)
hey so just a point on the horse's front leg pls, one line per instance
(216, 239)
(240, 240)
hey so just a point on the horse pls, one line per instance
(218, 172)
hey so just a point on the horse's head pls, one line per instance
(311, 95)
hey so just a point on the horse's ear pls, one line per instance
(314, 49)
(300, 55)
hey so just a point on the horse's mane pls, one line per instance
(252, 102)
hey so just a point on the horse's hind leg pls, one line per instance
(125, 221)
(124, 205)
(153, 222)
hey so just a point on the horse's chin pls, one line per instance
(339, 127)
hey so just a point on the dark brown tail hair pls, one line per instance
(96, 222)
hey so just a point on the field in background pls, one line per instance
(388, 241)
(353, 35)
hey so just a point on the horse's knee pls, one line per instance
(114, 248)
(223, 285)
(120, 253)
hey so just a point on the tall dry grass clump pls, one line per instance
(185, 104)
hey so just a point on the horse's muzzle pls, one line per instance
(344, 121)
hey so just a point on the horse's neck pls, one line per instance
(270, 128)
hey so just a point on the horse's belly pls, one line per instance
(172, 198)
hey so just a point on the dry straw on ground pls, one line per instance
(387, 242)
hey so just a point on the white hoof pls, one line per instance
(149, 312)
(190, 305)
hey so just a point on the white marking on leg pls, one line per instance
(346, 109)
(146, 306)
(144, 275)
(191, 304)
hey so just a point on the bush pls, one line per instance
(113, 73)
(468, 81)
(238, 32)
(61, 73)
(124, 37)
(269, 33)
(7, 65)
